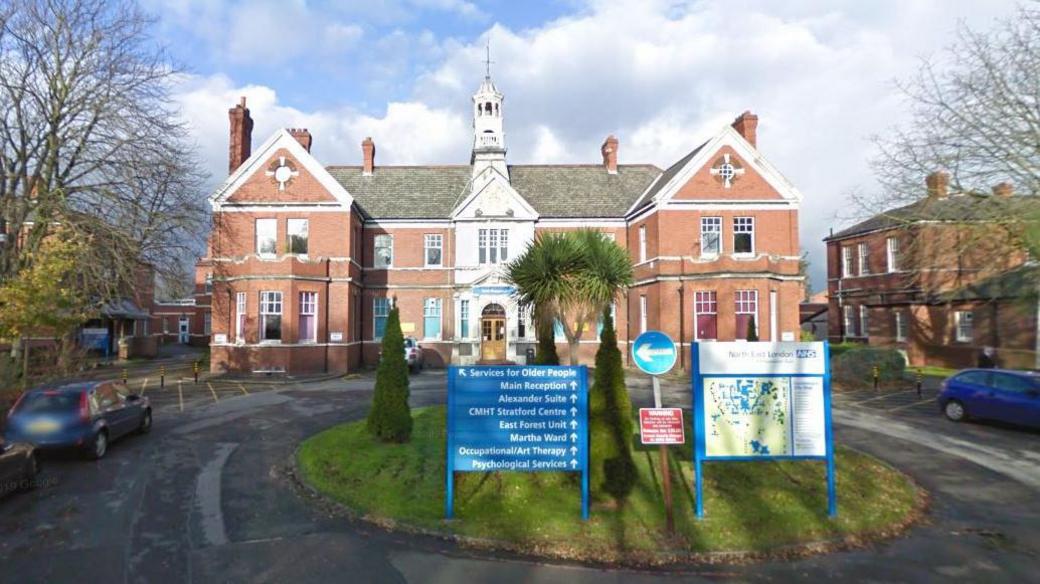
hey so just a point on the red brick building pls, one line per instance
(306, 258)
(938, 279)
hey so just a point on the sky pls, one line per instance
(663, 76)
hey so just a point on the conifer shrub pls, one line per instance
(612, 470)
(390, 418)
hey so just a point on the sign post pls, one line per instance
(520, 419)
(655, 353)
(762, 401)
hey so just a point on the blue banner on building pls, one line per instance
(520, 419)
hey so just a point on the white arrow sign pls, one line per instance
(646, 353)
(574, 424)
(574, 398)
(574, 450)
(574, 411)
(574, 385)
(574, 437)
(574, 463)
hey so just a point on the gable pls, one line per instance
(707, 183)
(496, 198)
(692, 179)
(262, 187)
(256, 182)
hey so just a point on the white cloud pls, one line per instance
(660, 75)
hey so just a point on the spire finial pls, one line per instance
(487, 60)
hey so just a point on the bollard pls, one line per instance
(877, 376)
(918, 384)
(125, 375)
(162, 376)
(195, 368)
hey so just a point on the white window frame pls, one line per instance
(846, 261)
(270, 300)
(964, 326)
(433, 241)
(642, 313)
(261, 226)
(901, 325)
(384, 237)
(289, 223)
(492, 246)
(892, 254)
(863, 253)
(848, 316)
(523, 324)
(642, 243)
(379, 304)
(240, 317)
(744, 225)
(711, 225)
(308, 307)
(864, 321)
(464, 318)
(433, 308)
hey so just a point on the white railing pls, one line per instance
(488, 141)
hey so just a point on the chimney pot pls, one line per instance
(938, 184)
(241, 135)
(746, 125)
(1004, 190)
(368, 151)
(303, 136)
(609, 150)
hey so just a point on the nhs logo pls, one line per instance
(805, 353)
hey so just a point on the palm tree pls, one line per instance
(570, 278)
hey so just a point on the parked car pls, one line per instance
(87, 416)
(413, 354)
(18, 466)
(992, 394)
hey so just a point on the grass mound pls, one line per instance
(750, 507)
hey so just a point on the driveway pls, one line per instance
(206, 497)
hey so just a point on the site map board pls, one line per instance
(762, 401)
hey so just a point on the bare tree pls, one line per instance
(90, 140)
(975, 116)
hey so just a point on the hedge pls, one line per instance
(856, 366)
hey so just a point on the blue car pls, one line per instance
(87, 416)
(992, 394)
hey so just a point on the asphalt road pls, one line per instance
(206, 498)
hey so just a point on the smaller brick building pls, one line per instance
(938, 279)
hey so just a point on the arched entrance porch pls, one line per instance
(493, 333)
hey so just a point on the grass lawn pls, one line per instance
(749, 506)
(931, 371)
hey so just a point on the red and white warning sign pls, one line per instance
(661, 426)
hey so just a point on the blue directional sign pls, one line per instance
(654, 352)
(517, 418)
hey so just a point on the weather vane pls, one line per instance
(488, 61)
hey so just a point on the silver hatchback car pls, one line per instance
(413, 354)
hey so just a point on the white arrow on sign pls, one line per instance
(574, 398)
(574, 385)
(646, 353)
(574, 411)
(574, 424)
(574, 437)
(462, 373)
(574, 450)
(574, 463)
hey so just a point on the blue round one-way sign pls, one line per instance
(654, 352)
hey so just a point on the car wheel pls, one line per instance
(98, 446)
(146, 423)
(955, 411)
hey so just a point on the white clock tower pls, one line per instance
(489, 145)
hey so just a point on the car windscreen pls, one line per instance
(48, 401)
(409, 343)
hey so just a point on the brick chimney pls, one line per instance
(938, 184)
(746, 125)
(609, 151)
(241, 143)
(368, 150)
(303, 136)
(1003, 190)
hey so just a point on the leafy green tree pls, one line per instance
(610, 420)
(571, 278)
(45, 297)
(390, 419)
(752, 332)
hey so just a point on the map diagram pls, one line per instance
(747, 416)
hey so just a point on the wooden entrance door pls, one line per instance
(493, 333)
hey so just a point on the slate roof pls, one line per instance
(1019, 282)
(956, 208)
(557, 191)
(668, 175)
